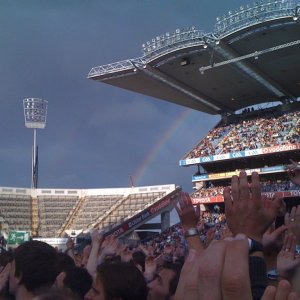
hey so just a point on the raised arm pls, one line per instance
(189, 218)
(97, 239)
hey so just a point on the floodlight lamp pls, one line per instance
(205, 46)
(295, 18)
(35, 112)
(185, 62)
(217, 42)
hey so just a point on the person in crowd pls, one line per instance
(249, 134)
(209, 255)
(75, 280)
(234, 268)
(118, 281)
(164, 284)
(33, 270)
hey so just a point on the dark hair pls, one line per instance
(122, 280)
(64, 262)
(78, 280)
(176, 267)
(139, 258)
(5, 257)
(35, 265)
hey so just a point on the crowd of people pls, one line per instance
(250, 134)
(266, 186)
(249, 252)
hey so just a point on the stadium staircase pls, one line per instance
(122, 221)
(126, 208)
(71, 217)
(109, 213)
(35, 216)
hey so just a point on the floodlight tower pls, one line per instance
(35, 113)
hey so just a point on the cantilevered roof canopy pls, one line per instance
(252, 56)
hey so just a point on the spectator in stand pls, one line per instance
(250, 134)
(266, 186)
(294, 172)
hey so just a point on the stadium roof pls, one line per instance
(251, 57)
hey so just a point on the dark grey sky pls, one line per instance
(96, 135)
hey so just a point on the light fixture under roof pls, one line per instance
(185, 62)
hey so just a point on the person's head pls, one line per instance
(164, 285)
(34, 267)
(64, 262)
(118, 281)
(76, 279)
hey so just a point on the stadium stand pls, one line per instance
(92, 208)
(53, 211)
(16, 211)
(130, 206)
(248, 134)
(48, 213)
(263, 141)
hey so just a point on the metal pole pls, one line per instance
(34, 162)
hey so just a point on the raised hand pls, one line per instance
(272, 237)
(220, 272)
(97, 237)
(292, 221)
(287, 262)
(110, 245)
(70, 243)
(189, 218)
(293, 171)
(188, 215)
(246, 211)
(282, 292)
(86, 254)
(150, 268)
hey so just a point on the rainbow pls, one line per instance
(154, 151)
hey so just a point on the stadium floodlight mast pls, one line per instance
(35, 113)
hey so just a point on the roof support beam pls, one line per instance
(249, 69)
(179, 86)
